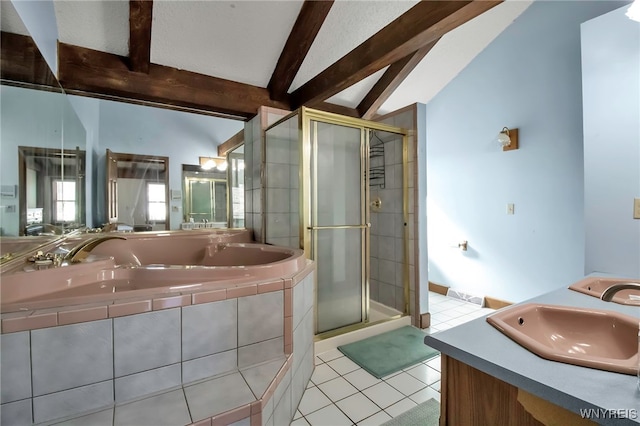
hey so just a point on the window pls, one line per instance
(64, 200)
(157, 202)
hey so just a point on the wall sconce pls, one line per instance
(633, 12)
(209, 163)
(508, 139)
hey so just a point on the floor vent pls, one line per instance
(461, 295)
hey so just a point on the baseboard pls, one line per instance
(425, 320)
(438, 288)
(489, 302)
(493, 303)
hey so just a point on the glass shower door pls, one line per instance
(338, 228)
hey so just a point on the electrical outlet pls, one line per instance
(511, 208)
(636, 208)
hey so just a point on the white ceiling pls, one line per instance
(10, 20)
(242, 40)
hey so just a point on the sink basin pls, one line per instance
(596, 286)
(593, 338)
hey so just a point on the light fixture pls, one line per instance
(633, 12)
(508, 139)
(209, 163)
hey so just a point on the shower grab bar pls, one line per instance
(314, 228)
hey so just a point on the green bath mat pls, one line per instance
(389, 352)
(425, 414)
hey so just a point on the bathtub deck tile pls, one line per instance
(32, 322)
(171, 302)
(209, 296)
(129, 308)
(288, 283)
(242, 291)
(82, 314)
(288, 307)
(267, 287)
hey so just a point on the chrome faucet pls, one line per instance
(608, 294)
(82, 250)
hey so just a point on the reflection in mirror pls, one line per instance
(137, 192)
(51, 183)
(235, 159)
(205, 196)
(36, 117)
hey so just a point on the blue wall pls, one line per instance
(611, 90)
(528, 78)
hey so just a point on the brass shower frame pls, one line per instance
(305, 118)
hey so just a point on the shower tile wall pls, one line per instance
(253, 157)
(405, 119)
(282, 184)
(387, 228)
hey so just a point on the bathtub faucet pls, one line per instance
(82, 250)
(608, 294)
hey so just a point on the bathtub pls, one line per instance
(149, 266)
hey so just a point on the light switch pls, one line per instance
(636, 208)
(511, 208)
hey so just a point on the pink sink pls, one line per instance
(596, 286)
(593, 338)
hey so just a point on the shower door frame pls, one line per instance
(305, 117)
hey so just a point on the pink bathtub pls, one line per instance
(143, 266)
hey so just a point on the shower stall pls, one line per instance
(336, 186)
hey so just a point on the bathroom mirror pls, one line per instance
(205, 195)
(137, 191)
(42, 143)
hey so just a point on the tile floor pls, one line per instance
(342, 393)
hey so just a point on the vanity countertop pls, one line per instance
(481, 346)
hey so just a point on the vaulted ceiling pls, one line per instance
(230, 57)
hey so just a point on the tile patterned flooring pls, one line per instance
(341, 393)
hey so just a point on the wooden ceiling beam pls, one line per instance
(140, 18)
(337, 109)
(304, 31)
(89, 71)
(422, 24)
(22, 62)
(389, 82)
(230, 144)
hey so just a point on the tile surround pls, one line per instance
(70, 356)
(207, 366)
(73, 401)
(146, 341)
(199, 338)
(137, 332)
(255, 320)
(147, 382)
(15, 369)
